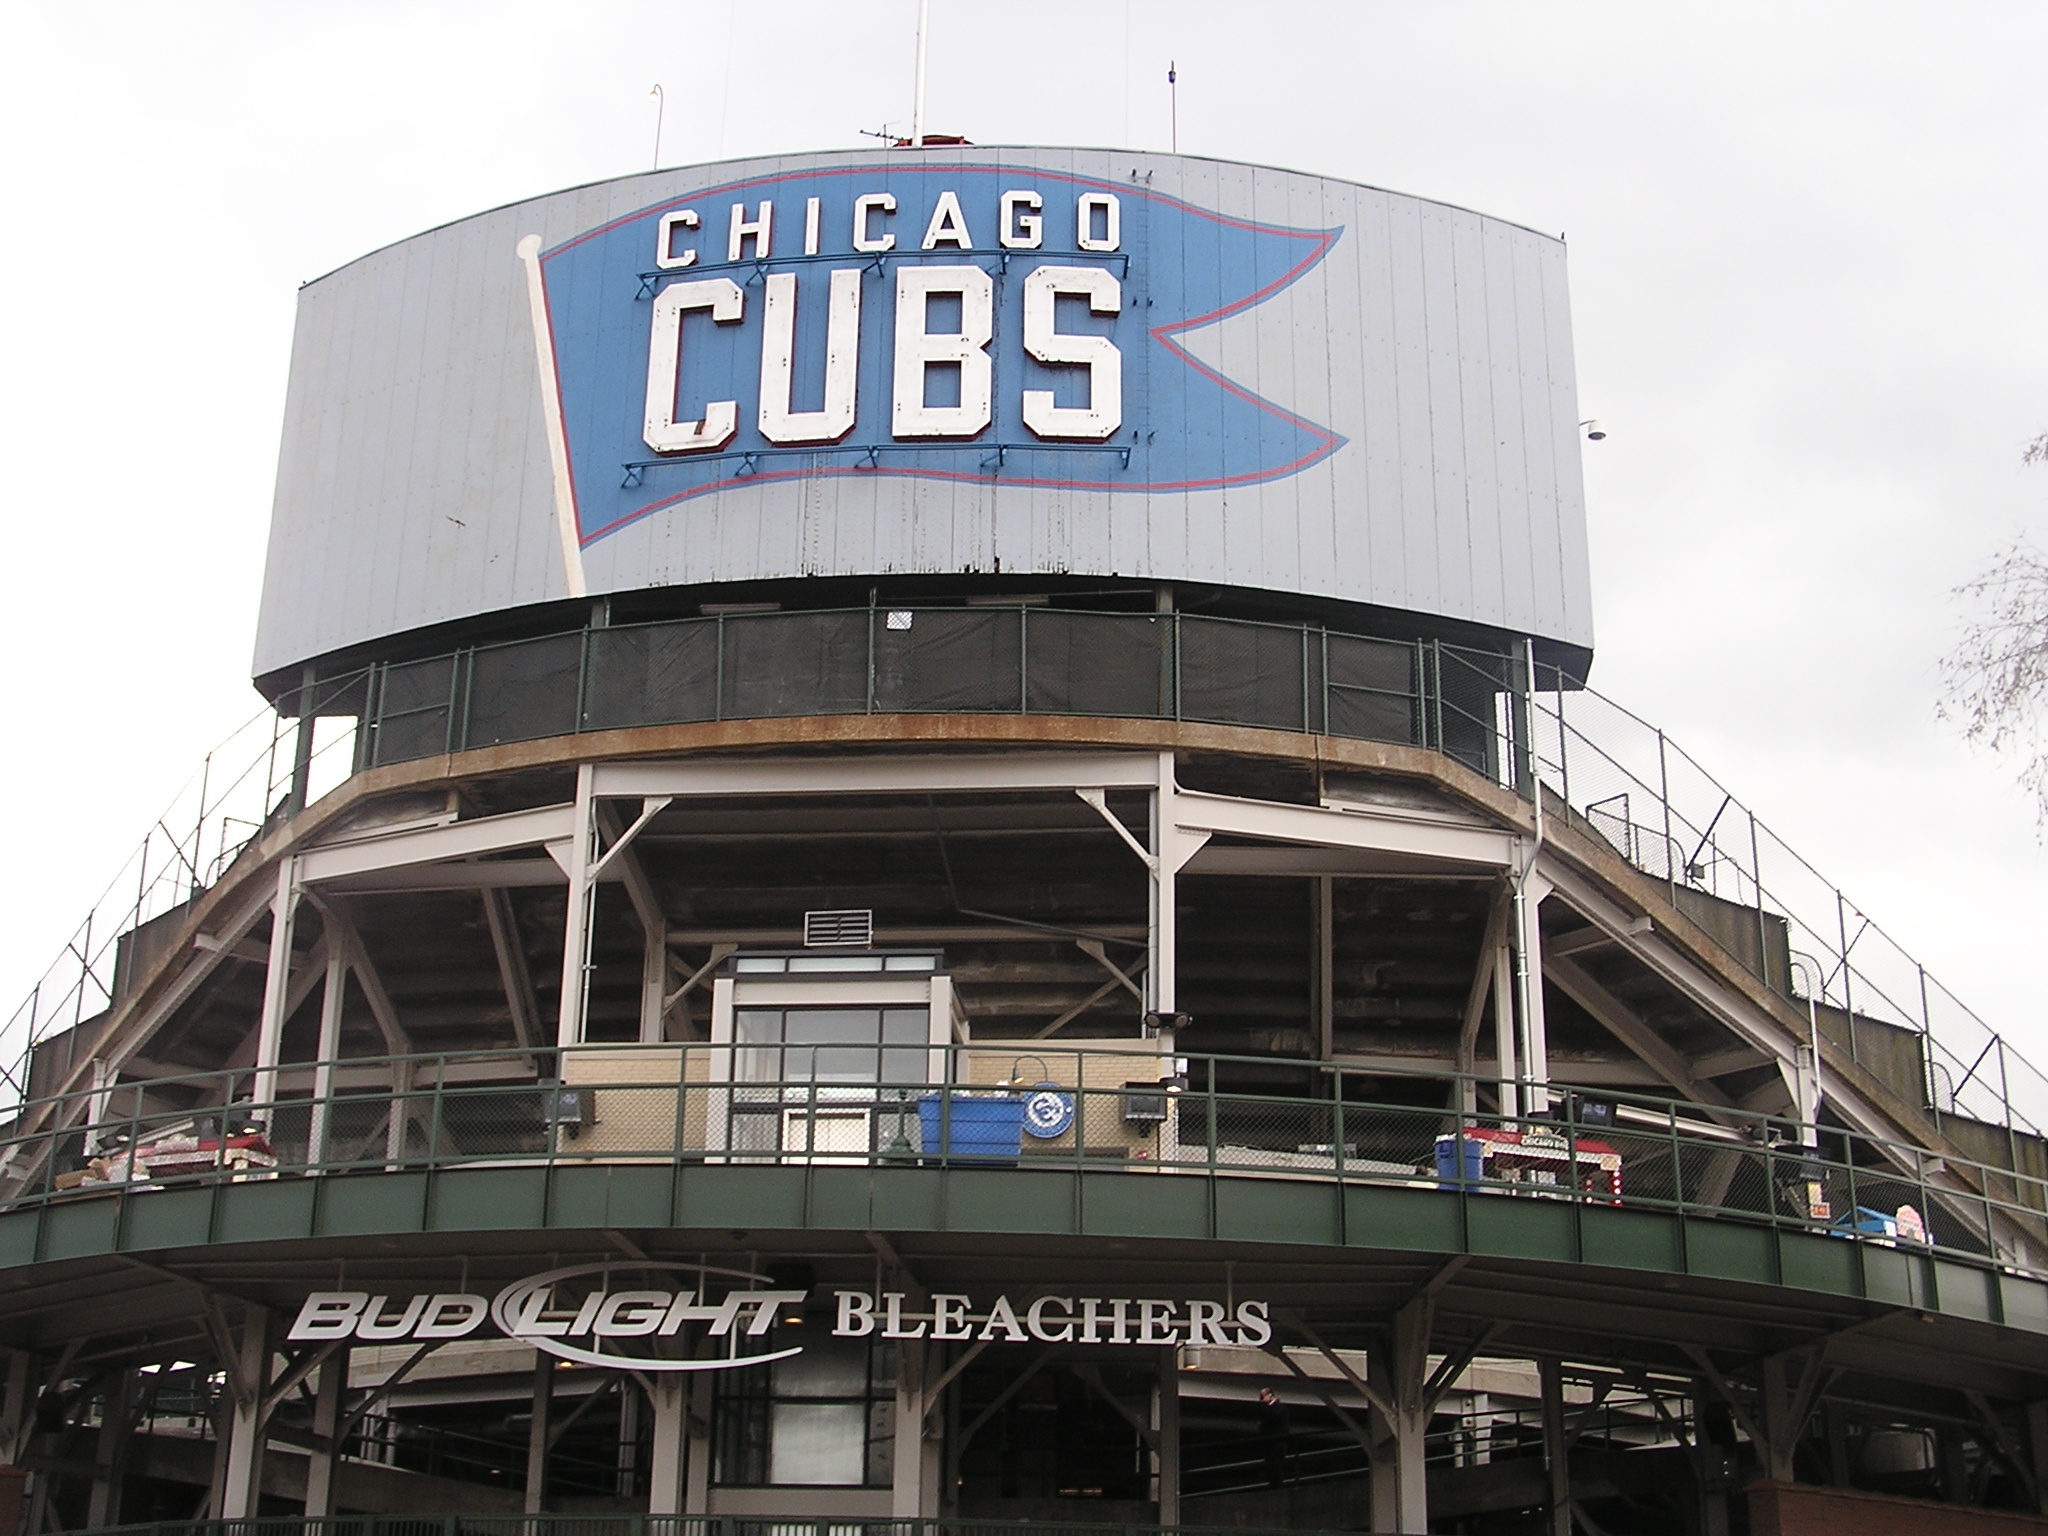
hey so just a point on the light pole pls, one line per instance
(660, 107)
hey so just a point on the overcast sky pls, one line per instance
(1806, 256)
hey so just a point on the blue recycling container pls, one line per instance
(984, 1126)
(1447, 1161)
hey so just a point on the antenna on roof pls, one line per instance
(1173, 100)
(924, 17)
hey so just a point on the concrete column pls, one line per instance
(667, 1483)
(1166, 1421)
(1556, 1453)
(576, 929)
(110, 1456)
(241, 1483)
(537, 1432)
(321, 1464)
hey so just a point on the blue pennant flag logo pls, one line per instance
(1184, 424)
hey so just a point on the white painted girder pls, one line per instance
(1374, 828)
(432, 845)
(880, 775)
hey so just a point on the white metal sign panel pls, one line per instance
(880, 362)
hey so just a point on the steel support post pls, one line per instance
(1784, 1418)
(328, 1050)
(668, 1458)
(2037, 1450)
(537, 1431)
(576, 927)
(1507, 1058)
(242, 1477)
(629, 1440)
(326, 1453)
(1166, 1422)
(907, 1500)
(110, 1456)
(276, 983)
(653, 981)
(697, 1431)
(1160, 968)
(1323, 969)
(1400, 1485)
(1556, 1450)
(15, 1404)
(1529, 970)
(302, 745)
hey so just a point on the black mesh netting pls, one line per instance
(657, 674)
(1244, 674)
(523, 692)
(1097, 664)
(780, 664)
(948, 660)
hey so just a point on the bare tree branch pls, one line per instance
(1995, 682)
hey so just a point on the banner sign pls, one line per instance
(552, 1310)
(960, 324)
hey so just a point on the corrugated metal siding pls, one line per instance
(414, 484)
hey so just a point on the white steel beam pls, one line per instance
(512, 970)
(433, 845)
(1483, 971)
(396, 1041)
(277, 977)
(1378, 828)
(646, 903)
(1620, 1021)
(497, 875)
(327, 1051)
(1015, 770)
(1528, 904)
(1750, 1023)
(576, 928)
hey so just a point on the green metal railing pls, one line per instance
(666, 1525)
(1602, 769)
(710, 1105)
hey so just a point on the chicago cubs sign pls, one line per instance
(875, 364)
(980, 323)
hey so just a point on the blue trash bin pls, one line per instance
(980, 1127)
(1447, 1176)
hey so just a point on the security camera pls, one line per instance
(1594, 431)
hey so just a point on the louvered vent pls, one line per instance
(839, 930)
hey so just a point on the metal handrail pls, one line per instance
(473, 1524)
(502, 1108)
(1675, 823)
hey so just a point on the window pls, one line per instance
(832, 1045)
(824, 1418)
